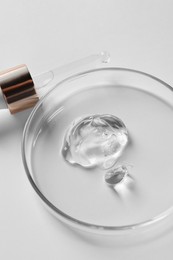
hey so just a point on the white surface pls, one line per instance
(44, 34)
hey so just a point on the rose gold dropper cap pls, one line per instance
(18, 88)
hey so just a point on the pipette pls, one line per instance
(20, 90)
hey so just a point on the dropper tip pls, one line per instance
(105, 57)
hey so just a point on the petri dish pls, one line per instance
(80, 196)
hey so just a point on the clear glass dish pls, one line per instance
(80, 197)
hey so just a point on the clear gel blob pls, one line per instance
(116, 175)
(96, 140)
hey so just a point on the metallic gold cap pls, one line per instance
(18, 88)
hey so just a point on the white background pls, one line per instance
(47, 33)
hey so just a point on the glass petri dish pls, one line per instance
(80, 197)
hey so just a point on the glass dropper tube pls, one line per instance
(20, 90)
(44, 81)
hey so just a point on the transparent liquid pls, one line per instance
(82, 193)
(95, 140)
(116, 175)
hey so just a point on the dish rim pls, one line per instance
(62, 215)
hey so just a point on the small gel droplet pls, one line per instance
(116, 175)
(96, 140)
